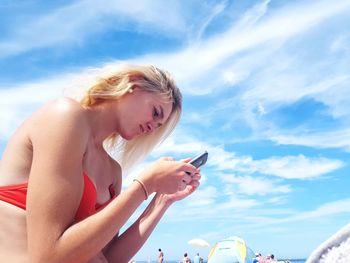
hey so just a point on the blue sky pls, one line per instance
(266, 88)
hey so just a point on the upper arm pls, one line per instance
(59, 137)
(117, 185)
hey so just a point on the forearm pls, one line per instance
(123, 248)
(83, 240)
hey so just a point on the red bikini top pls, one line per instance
(88, 204)
(16, 195)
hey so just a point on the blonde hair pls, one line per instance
(115, 85)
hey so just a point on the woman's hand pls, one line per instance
(189, 189)
(171, 177)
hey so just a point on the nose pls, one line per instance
(151, 126)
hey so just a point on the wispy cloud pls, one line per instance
(249, 185)
(256, 56)
(288, 167)
(278, 28)
(224, 61)
(297, 167)
(239, 187)
(218, 210)
(20, 101)
(330, 139)
(262, 218)
(325, 210)
(216, 10)
(48, 30)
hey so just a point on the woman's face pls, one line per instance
(141, 112)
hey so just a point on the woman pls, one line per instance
(60, 194)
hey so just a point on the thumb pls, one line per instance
(186, 160)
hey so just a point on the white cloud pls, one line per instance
(252, 16)
(235, 203)
(288, 167)
(222, 61)
(297, 167)
(36, 31)
(335, 139)
(180, 144)
(325, 210)
(203, 197)
(341, 44)
(278, 200)
(336, 94)
(18, 102)
(289, 87)
(268, 216)
(249, 185)
(216, 10)
(261, 109)
(210, 59)
(184, 211)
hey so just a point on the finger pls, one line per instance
(190, 168)
(195, 184)
(186, 160)
(196, 177)
(192, 187)
(187, 178)
(182, 186)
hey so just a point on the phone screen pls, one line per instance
(200, 159)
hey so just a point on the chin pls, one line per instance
(128, 137)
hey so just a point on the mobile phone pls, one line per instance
(200, 160)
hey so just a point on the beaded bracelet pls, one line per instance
(143, 187)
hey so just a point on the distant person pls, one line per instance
(267, 259)
(258, 258)
(272, 258)
(197, 259)
(186, 259)
(161, 256)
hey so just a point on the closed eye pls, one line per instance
(155, 112)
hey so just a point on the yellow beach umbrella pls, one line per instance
(231, 250)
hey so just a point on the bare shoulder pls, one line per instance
(60, 120)
(66, 107)
(64, 113)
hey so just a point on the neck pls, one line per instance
(101, 123)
